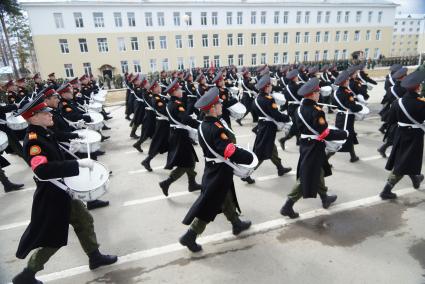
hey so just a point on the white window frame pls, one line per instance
(69, 70)
(179, 41)
(124, 66)
(161, 20)
(131, 19)
(78, 19)
(151, 42)
(87, 68)
(229, 39)
(214, 18)
(148, 19)
(239, 18)
(204, 39)
(102, 45)
(121, 44)
(58, 19)
(216, 40)
(64, 46)
(98, 20)
(82, 42)
(136, 66)
(163, 42)
(176, 21)
(229, 18)
(134, 42)
(118, 19)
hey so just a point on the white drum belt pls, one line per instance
(3, 121)
(292, 95)
(307, 136)
(415, 122)
(402, 124)
(215, 160)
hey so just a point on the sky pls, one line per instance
(411, 6)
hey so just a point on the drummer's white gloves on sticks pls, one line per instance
(86, 163)
(74, 146)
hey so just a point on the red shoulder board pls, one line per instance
(218, 124)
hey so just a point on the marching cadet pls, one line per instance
(344, 99)
(312, 72)
(302, 73)
(249, 93)
(364, 78)
(38, 83)
(293, 100)
(202, 84)
(313, 164)
(218, 190)
(407, 152)
(334, 72)
(210, 76)
(159, 143)
(225, 96)
(139, 105)
(163, 81)
(51, 81)
(181, 153)
(394, 93)
(89, 87)
(129, 97)
(190, 94)
(23, 93)
(325, 80)
(53, 210)
(267, 109)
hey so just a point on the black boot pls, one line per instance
(288, 210)
(327, 200)
(193, 185)
(386, 193)
(94, 204)
(249, 180)
(105, 127)
(104, 138)
(146, 163)
(239, 226)
(26, 277)
(138, 147)
(381, 150)
(353, 157)
(133, 132)
(165, 185)
(416, 180)
(382, 129)
(10, 186)
(189, 240)
(96, 259)
(127, 117)
(282, 170)
(282, 142)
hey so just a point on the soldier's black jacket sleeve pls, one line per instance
(320, 125)
(351, 104)
(366, 77)
(273, 111)
(186, 119)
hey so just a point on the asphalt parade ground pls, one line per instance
(361, 239)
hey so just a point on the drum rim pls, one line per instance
(106, 181)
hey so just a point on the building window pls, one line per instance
(179, 43)
(206, 61)
(163, 42)
(298, 17)
(229, 18)
(317, 55)
(378, 35)
(58, 20)
(338, 16)
(263, 58)
(285, 38)
(190, 41)
(134, 43)
(336, 54)
(379, 16)
(263, 17)
(276, 58)
(377, 53)
(188, 18)
(78, 17)
(204, 40)
(253, 17)
(297, 38)
(276, 38)
(161, 22)
(369, 17)
(337, 36)
(285, 17)
(326, 37)
(83, 45)
(216, 40)
(98, 20)
(297, 56)
(347, 16)
(102, 44)
(325, 55)
(64, 45)
(345, 36)
(239, 18)
(305, 58)
(327, 17)
(192, 63)
(164, 64)
(344, 54)
(118, 19)
(121, 44)
(358, 16)
(366, 52)
(306, 37)
(230, 59)
(176, 19)
(229, 39)
(217, 60)
(69, 72)
(368, 35)
(151, 43)
(124, 66)
(87, 68)
(148, 19)
(285, 58)
(180, 63)
(307, 17)
(263, 38)
(203, 18)
(214, 18)
(240, 59)
(253, 59)
(317, 36)
(240, 39)
(137, 67)
(152, 65)
(319, 17)
(254, 39)
(356, 35)
(131, 19)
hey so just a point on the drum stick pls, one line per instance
(321, 104)
(346, 120)
(88, 149)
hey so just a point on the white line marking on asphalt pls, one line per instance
(13, 225)
(224, 236)
(145, 170)
(132, 152)
(291, 173)
(154, 198)
(371, 117)
(371, 158)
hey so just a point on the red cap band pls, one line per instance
(29, 113)
(207, 107)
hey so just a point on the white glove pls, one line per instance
(74, 146)
(86, 163)
(81, 136)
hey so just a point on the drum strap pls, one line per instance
(415, 122)
(391, 79)
(361, 79)
(283, 81)
(341, 105)
(267, 117)
(292, 95)
(319, 137)
(58, 183)
(394, 93)
(66, 150)
(301, 79)
(177, 124)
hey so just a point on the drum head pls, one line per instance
(3, 141)
(365, 110)
(88, 179)
(95, 117)
(237, 108)
(91, 135)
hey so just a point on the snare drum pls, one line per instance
(93, 138)
(237, 111)
(284, 127)
(98, 99)
(89, 184)
(234, 91)
(279, 98)
(325, 91)
(96, 121)
(193, 134)
(244, 171)
(16, 122)
(362, 114)
(97, 107)
(4, 142)
(369, 87)
(334, 145)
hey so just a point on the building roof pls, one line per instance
(401, 16)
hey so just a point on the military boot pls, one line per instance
(133, 131)
(94, 204)
(386, 193)
(165, 185)
(416, 180)
(239, 226)
(189, 240)
(26, 277)
(382, 149)
(96, 259)
(193, 185)
(288, 210)
(327, 200)
(282, 170)
(146, 163)
(138, 147)
(7, 184)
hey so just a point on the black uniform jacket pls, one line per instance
(159, 143)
